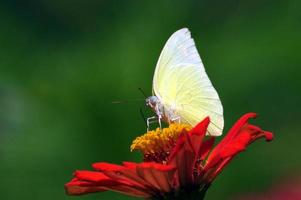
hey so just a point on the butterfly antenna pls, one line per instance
(126, 101)
(143, 93)
(119, 102)
(143, 116)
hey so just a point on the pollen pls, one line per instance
(157, 144)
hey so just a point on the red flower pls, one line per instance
(185, 172)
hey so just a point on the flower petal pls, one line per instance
(127, 174)
(91, 176)
(78, 187)
(186, 151)
(89, 181)
(205, 148)
(158, 175)
(238, 138)
(183, 156)
(230, 136)
(198, 133)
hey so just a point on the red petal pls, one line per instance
(231, 134)
(198, 133)
(238, 144)
(76, 188)
(157, 166)
(130, 165)
(205, 148)
(235, 128)
(158, 175)
(256, 133)
(91, 176)
(185, 153)
(89, 181)
(124, 173)
(238, 138)
(184, 158)
(103, 166)
(79, 187)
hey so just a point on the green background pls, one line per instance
(62, 63)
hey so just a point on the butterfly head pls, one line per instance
(152, 101)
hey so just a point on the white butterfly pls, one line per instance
(182, 90)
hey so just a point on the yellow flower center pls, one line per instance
(157, 144)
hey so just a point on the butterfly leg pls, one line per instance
(158, 111)
(159, 120)
(154, 119)
(151, 120)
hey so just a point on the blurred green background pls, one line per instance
(62, 63)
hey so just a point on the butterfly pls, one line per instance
(182, 91)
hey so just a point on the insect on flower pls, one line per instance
(179, 162)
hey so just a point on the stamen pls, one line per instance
(157, 144)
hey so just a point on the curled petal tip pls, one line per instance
(269, 136)
(251, 115)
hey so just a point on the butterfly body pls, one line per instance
(182, 91)
(166, 113)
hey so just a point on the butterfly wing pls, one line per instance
(182, 85)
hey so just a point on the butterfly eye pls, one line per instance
(147, 101)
